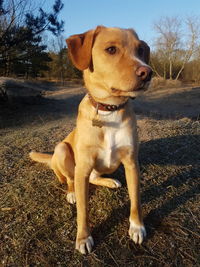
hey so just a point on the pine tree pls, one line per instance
(20, 45)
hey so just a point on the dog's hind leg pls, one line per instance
(63, 166)
(96, 179)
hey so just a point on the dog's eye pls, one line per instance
(140, 51)
(111, 50)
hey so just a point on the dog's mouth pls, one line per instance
(132, 92)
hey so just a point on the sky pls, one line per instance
(82, 15)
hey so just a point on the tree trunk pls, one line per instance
(179, 73)
(170, 70)
(164, 72)
(154, 69)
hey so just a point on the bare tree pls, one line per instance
(191, 71)
(14, 11)
(61, 56)
(168, 40)
(175, 45)
(191, 42)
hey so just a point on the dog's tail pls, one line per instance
(41, 157)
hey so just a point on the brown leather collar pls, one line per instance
(105, 107)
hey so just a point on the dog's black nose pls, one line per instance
(145, 73)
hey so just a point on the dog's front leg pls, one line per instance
(137, 230)
(84, 241)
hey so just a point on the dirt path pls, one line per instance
(156, 103)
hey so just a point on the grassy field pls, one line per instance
(38, 226)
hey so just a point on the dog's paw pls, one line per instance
(85, 245)
(71, 198)
(137, 232)
(113, 183)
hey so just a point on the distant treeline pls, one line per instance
(175, 52)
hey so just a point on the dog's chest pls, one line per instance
(116, 136)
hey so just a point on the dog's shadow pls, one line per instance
(174, 151)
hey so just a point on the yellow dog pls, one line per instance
(115, 65)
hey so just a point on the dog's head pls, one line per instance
(114, 60)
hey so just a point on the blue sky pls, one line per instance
(82, 15)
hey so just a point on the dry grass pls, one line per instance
(158, 82)
(38, 226)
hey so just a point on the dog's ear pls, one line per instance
(146, 51)
(80, 48)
